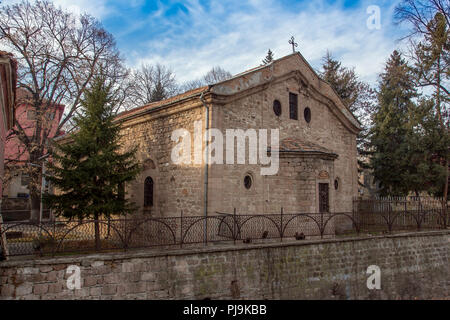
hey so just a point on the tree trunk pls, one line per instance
(35, 204)
(97, 233)
(445, 197)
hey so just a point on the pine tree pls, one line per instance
(391, 126)
(90, 171)
(158, 93)
(357, 95)
(426, 147)
(269, 58)
(345, 82)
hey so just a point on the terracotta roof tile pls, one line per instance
(162, 102)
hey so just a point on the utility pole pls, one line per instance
(41, 207)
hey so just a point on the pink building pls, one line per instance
(15, 152)
(8, 78)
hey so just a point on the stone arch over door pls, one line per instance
(324, 186)
(150, 172)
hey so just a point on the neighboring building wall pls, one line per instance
(412, 266)
(15, 151)
(368, 188)
(17, 186)
(8, 75)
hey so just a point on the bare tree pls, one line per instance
(152, 83)
(58, 54)
(216, 74)
(419, 14)
(429, 44)
(192, 84)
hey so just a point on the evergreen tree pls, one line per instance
(426, 146)
(90, 171)
(269, 58)
(158, 93)
(346, 83)
(357, 95)
(391, 126)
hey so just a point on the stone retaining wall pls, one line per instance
(412, 265)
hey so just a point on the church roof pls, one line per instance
(294, 145)
(170, 100)
(259, 76)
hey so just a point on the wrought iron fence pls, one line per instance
(66, 237)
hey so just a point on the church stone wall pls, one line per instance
(176, 187)
(247, 102)
(295, 186)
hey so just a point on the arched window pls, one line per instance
(248, 181)
(148, 192)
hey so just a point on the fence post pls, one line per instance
(181, 229)
(3, 244)
(127, 236)
(444, 213)
(322, 229)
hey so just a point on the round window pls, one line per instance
(248, 182)
(307, 114)
(336, 184)
(277, 108)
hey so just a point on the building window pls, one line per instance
(307, 114)
(336, 184)
(277, 108)
(31, 115)
(293, 106)
(148, 192)
(24, 179)
(248, 181)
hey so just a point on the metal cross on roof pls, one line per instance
(293, 43)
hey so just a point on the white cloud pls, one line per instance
(239, 40)
(236, 34)
(96, 8)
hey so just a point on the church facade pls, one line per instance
(316, 149)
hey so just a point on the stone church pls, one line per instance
(317, 146)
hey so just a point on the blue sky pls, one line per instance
(194, 35)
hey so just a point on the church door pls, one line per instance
(323, 197)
